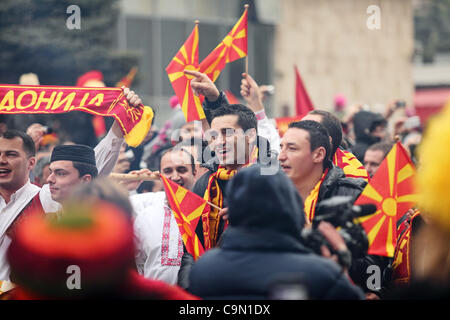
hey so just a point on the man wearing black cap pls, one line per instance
(70, 165)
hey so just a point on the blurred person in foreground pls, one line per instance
(86, 254)
(262, 246)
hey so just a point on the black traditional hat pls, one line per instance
(76, 152)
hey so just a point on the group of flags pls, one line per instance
(231, 48)
(391, 189)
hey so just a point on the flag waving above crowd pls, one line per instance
(186, 59)
(232, 47)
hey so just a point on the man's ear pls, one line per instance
(319, 155)
(31, 163)
(86, 178)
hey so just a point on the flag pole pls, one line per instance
(246, 57)
(134, 177)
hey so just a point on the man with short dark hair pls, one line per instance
(232, 136)
(70, 165)
(304, 157)
(340, 157)
(375, 155)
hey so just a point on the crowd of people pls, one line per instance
(60, 208)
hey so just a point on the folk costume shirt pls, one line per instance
(159, 247)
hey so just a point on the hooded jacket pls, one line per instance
(364, 123)
(262, 249)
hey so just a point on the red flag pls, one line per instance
(187, 208)
(391, 189)
(303, 104)
(232, 47)
(231, 97)
(283, 124)
(128, 79)
(186, 58)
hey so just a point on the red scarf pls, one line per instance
(213, 194)
(134, 122)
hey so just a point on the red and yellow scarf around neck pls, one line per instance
(213, 194)
(311, 201)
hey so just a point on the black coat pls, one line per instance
(337, 184)
(262, 250)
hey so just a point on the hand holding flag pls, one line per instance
(187, 208)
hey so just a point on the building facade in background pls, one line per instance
(330, 42)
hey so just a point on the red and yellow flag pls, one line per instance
(128, 79)
(350, 164)
(232, 47)
(283, 124)
(187, 208)
(186, 58)
(392, 190)
(134, 122)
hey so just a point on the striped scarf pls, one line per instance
(213, 194)
(311, 200)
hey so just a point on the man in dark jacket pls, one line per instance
(262, 247)
(305, 158)
(369, 128)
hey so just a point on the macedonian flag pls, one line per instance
(349, 164)
(391, 189)
(232, 47)
(187, 208)
(186, 58)
(128, 79)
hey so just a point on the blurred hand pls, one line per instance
(36, 131)
(132, 98)
(334, 239)
(224, 214)
(134, 101)
(122, 164)
(251, 92)
(202, 84)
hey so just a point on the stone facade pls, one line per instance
(336, 52)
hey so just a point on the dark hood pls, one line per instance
(269, 202)
(364, 122)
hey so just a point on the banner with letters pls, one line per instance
(133, 121)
